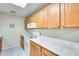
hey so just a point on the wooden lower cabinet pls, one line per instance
(32, 53)
(46, 52)
(22, 41)
(37, 50)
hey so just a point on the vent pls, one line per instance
(13, 12)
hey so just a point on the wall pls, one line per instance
(70, 34)
(11, 36)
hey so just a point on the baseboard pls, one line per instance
(9, 48)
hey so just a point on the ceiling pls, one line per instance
(23, 12)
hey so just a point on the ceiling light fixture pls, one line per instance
(22, 5)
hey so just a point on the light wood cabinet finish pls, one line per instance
(37, 50)
(22, 41)
(27, 21)
(48, 17)
(71, 15)
(46, 52)
(54, 16)
(64, 15)
(36, 45)
(37, 19)
(32, 50)
(44, 17)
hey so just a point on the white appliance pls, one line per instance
(31, 25)
(27, 45)
(27, 42)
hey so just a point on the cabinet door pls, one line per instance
(44, 17)
(54, 16)
(22, 42)
(39, 20)
(36, 19)
(71, 16)
(35, 49)
(32, 50)
(27, 21)
(46, 52)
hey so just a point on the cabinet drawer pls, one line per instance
(37, 53)
(46, 52)
(36, 45)
(34, 51)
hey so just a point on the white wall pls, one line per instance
(11, 36)
(70, 34)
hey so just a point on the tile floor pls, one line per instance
(17, 51)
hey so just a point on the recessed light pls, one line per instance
(22, 5)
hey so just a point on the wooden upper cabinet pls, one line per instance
(37, 19)
(54, 16)
(27, 21)
(44, 17)
(41, 18)
(71, 15)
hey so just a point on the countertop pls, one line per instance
(59, 46)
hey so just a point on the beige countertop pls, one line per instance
(58, 46)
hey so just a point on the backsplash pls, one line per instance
(65, 34)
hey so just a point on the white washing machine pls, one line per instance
(27, 46)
